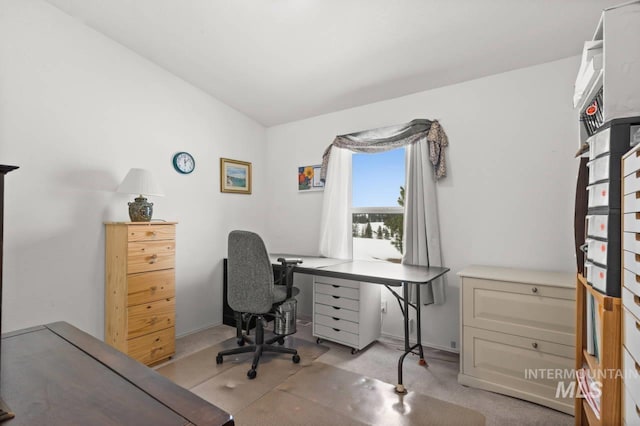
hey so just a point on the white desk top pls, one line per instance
(393, 274)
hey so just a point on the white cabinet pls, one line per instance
(346, 312)
(516, 325)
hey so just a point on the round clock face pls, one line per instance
(184, 162)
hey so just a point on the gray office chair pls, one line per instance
(251, 291)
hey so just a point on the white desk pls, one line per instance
(384, 273)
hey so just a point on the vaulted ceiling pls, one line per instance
(283, 60)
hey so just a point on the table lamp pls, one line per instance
(140, 181)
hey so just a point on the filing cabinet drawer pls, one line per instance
(597, 251)
(153, 347)
(632, 183)
(150, 317)
(601, 195)
(631, 333)
(597, 225)
(632, 222)
(150, 256)
(504, 359)
(340, 302)
(630, 410)
(632, 375)
(536, 311)
(337, 281)
(600, 278)
(337, 323)
(631, 163)
(631, 242)
(336, 290)
(150, 286)
(599, 144)
(151, 232)
(599, 169)
(632, 282)
(336, 335)
(334, 311)
(632, 261)
(632, 202)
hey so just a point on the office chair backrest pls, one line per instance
(249, 274)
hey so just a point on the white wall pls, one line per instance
(507, 200)
(77, 111)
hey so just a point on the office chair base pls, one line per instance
(258, 350)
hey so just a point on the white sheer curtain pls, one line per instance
(421, 224)
(335, 224)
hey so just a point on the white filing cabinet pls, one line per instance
(514, 321)
(346, 312)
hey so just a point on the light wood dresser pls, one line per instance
(517, 326)
(140, 289)
(346, 311)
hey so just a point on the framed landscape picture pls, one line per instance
(235, 176)
(309, 178)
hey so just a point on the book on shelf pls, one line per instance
(589, 389)
(590, 341)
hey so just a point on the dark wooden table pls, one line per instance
(56, 374)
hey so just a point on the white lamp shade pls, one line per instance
(140, 181)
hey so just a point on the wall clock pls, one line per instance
(184, 163)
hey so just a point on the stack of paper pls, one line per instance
(590, 390)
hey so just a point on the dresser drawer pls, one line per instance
(599, 144)
(151, 232)
(632, 183)
(150, 256)
(505, 360)
(337, 323)
(598, 195)
(631, 242)
(632, 202)
(149, 286)
(337, 281)
(153, 347)
(337, 301)
(606, 281)
(333, 311)
(630, 410)
(336, 335)
(631, 281)
(539, 312)
(150, 317)
(597, 252)
(632, 261)
(336, 290)
(597, 225)
(631, 163)
(631, 333)
(631, 370)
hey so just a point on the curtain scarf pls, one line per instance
(425, 141)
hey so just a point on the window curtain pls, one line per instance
(425, 141)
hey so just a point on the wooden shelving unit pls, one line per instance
(610, 359)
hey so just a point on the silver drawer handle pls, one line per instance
(534, 290)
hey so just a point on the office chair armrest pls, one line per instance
(286, 273)
(291, 261)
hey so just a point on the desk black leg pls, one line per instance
(418, 329)
(405, 296)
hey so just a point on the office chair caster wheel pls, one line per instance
(318, 341)
(296, 359)
(281, 341)
(354, 351)
(219, 359)
(240, 341)
(251, 374)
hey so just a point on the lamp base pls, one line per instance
(140, 210)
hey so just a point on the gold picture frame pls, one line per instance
(235, 176)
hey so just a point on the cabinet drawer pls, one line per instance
(151, 232)
(631, 163)
(149, 286)
(334, 311)
(597, 252)
(150, 317)
(632, 183)
(599, 169)
(631, 242)
(539, 312)
(632, 281)
(150, 256)
(505, 360)
(631, 333)
(597, 225)
(632, 222)
(632, 261)
(336, 290)
(337, 323)
(598, 277)
(337, 281)
(632, 202)
(335, 335)
(153, 347)
(599, 144)
(598, 195)
(340, 302)
(630, 410)
(631, 380)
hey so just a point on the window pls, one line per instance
(377, 205)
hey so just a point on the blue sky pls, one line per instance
(377, 178)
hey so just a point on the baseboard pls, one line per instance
(188, 333)
(425, 344)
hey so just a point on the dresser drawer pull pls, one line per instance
(154, 259)
(335, 286)
(157, 339)
(148, 306)
(152, 234)
(153, 320)
(636, 300)
(637, 410)
(336, 297)
(638, 279)
(534, 290)
(153, 288)
(337, 308)
(534, 345)
(336, 329)
(335, 318)
(637, 325)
